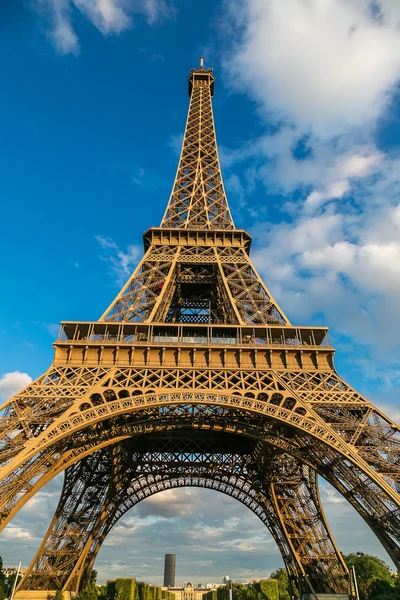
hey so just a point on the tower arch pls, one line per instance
(281, 491)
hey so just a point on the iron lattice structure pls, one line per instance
(194, 376)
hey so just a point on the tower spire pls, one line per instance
(198, 199)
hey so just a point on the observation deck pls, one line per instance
(201, 345)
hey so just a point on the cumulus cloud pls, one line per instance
(326, 66)
(168, 504)
(108, 16)
(121, 264)
(17, 533)
(323, 75)
(11, 383)
(330, 495)
(21, 538)
(215, 535)
(337, 179)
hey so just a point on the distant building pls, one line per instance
(188, 592)
(8, 571)
(169, 570)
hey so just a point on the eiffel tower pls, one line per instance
(194, 376)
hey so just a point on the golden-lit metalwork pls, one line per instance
(195, 376)
(101, 488)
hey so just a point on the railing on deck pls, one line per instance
(171, 333)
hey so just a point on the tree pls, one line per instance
(397, 583)
(286, 592)
(283, 583)
(239, 591)
(125, 588)
(3, 584)
(90, 593)
(268, 589)
(369, 569)
(9, 583)
(382, 590)
(110, 590)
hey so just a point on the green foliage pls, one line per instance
(146, 591)
(265, 589)
(3, 584)
(9, 582)
(110, 590)
(374, 579)
(125, 589)
(269, 589)
(102, 592)
(286, 589)
(382, 590)
(130, 589)
(282, 577)
(239, 591)
(89, 593)
(58, 595)
(221, 593)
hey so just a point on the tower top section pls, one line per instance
(198, 199)
(202, 75)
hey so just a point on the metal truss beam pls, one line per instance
(101, 488)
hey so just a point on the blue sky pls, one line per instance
(93, 104)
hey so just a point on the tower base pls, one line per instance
(41, 595)
(325, 597)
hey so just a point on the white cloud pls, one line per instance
(330, 495)
(393, 411)
(121, 264)
(57, 13)
(175, 142)
(106, 242)
(12, 533)
(324, 73)
(245, 547)
(328, 66)
(341, 264)
(108, 16)
(52, 328)
(336, 180)
(168, 504)
(12, 383)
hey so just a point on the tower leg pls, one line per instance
(102, 487)
(82, 501)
